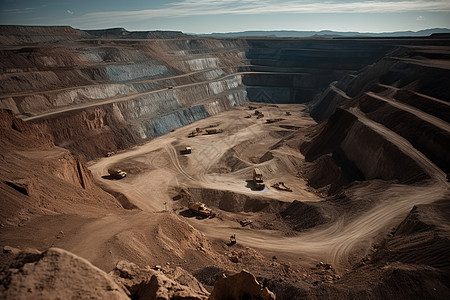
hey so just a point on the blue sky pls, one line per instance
(206, 16)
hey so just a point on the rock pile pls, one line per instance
(240, 286)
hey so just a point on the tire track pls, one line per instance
(175, 161)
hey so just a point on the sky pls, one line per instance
(208, 16)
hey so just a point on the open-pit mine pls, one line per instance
(159, 165)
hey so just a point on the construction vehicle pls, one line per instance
(214, 131)
(116, 173)
(258, 179)
(282, 187)
(232, 240)
(201, 209)
(268, 121)
(259, 114)
(186, 150)
(193, 133)
(245, 222)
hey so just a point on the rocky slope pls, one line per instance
(119, 88)
(381, 154)
(398, 106)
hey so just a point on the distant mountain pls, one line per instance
(125, 34)
(327, 33)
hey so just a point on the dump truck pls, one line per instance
(258, 179)
(193, 134)
(214, 131)
(246, 222)
(186, 150)
(268, 121)
(116, 173)
(201, 209)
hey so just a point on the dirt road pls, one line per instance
(237, 151)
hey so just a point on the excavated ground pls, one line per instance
(368, 215)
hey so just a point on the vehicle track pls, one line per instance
(129, 97)
(176, 162)
(334, 243)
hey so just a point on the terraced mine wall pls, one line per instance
(388, 121)
(103, 92)
(296, 71)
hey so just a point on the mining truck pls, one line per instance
(214, 131)
(258, 179)
(193, 134)
(201, 209)
(116, 173)
(186, 150)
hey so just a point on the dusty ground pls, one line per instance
(337, 235)
(224, 162)
(344, 231)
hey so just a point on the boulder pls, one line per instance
(161, 287)
(57, 274)
(148, 283)
(240, 286)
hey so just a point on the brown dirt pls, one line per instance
(367, 218)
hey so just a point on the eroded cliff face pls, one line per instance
(45, 180)
(102, 91)
(390, 120)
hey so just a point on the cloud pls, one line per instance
(69, 12)
(420, 18)
(18, 10)
(255, 7)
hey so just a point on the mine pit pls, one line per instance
(310, 168)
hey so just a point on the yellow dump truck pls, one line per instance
(201, 209)
(214, 131)
(258, 179)
(116, 173)
(186, 150)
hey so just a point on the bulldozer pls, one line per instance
(258, 179)
(201, 209)
(282, 186)
(116, 173)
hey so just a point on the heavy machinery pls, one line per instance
(201, 209)
(259, 114)
(186, 150)
(282, 186)
(193, 134)
(258, 179)
(246, 222)
(214, 131)
(268, 121)
(116, 173)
